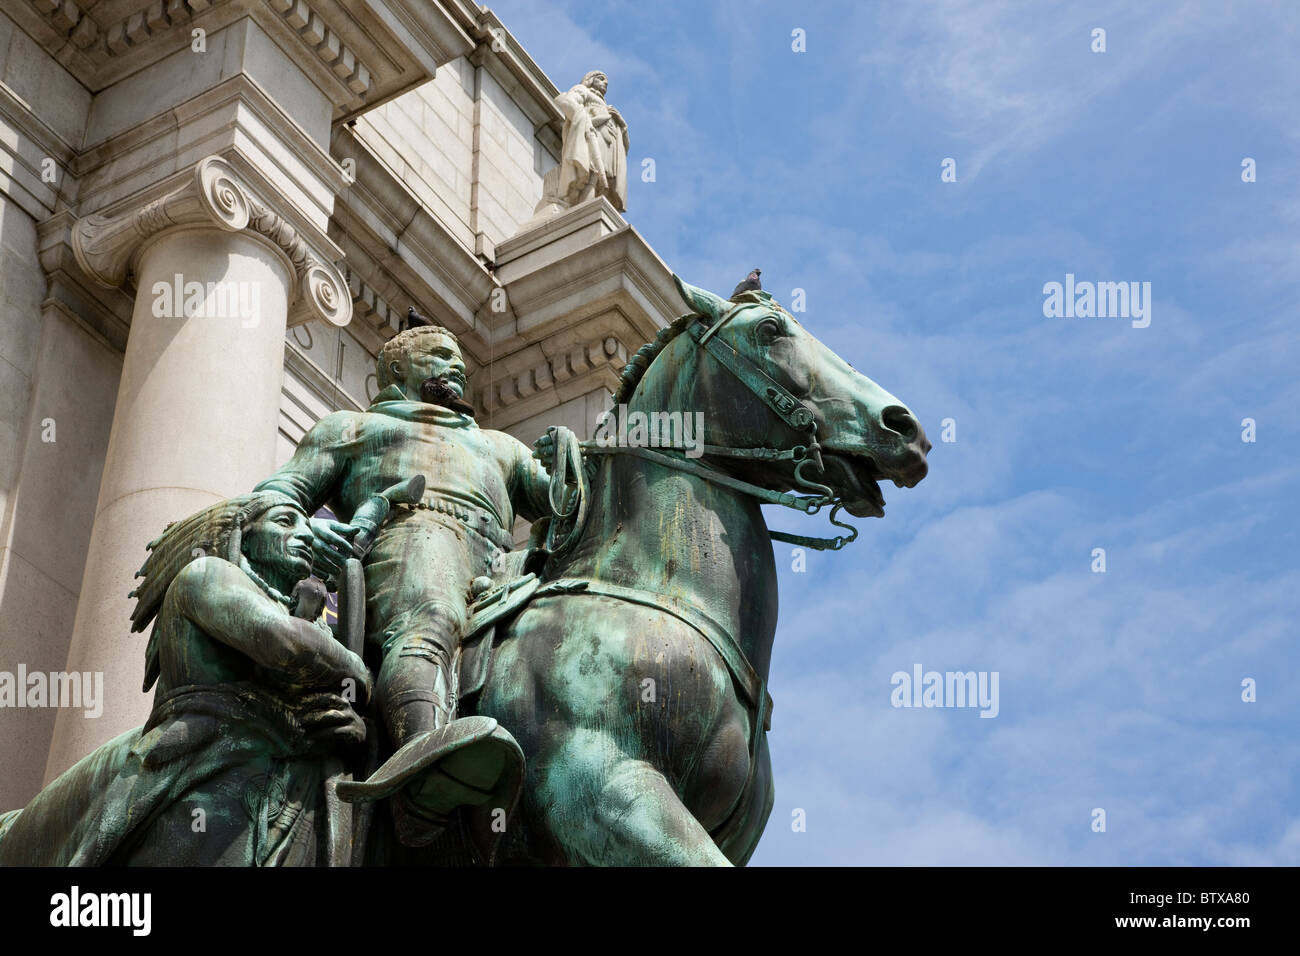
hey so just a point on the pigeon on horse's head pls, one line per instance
(751, 284)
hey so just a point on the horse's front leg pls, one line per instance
(606, 808)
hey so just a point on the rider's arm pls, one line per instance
(527, 480)
(312, 475)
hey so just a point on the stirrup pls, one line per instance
(472, 762)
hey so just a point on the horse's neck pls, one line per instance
(666, 532)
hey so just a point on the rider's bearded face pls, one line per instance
(437, 358)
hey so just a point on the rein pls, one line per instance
(569, 451)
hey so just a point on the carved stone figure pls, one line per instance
(424, 559)
(251, 713)
(594, 145)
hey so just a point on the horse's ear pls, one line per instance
(700, 300)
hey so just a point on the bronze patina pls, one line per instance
(421, 563)
(235, 765)
(598, 698)
(636, 678)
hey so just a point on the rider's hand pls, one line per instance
(365, 681)
(544, 449)
(331, 546)
(330, 717)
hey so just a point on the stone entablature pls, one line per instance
(362, 53)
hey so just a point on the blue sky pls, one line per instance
(1119, 690)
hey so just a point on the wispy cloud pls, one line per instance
(1119, 690)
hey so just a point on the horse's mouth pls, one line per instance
(855, 478)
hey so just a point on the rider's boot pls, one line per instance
(441, 762)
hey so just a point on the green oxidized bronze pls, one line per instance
(599, 698)
(667, 583)
(236, 763)
(421, 563)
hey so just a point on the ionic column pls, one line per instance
(218, 277)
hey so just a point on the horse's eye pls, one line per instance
(769, 329)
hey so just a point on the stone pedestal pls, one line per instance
(585, 291)
(547, 239)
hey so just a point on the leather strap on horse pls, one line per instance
(806, 505)
(776, 396)
(569, 451)
(567, 505)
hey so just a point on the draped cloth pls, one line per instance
(589, 149)
(236, 752)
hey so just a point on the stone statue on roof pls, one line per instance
(593, 160)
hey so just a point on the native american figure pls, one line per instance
(251, 713)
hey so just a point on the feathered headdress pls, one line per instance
(215, 531)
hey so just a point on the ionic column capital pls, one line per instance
(219, 196)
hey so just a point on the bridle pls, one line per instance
(793, 412)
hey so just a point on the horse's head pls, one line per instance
(763, 381)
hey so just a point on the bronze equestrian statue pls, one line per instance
(668, 576)
(597, 698)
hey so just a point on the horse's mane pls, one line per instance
(635, 369)
(632, 373)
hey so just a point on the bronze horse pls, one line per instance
(636, 678)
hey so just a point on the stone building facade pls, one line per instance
(325, 165)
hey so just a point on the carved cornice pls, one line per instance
(68, 20)
(160, 16)
(369, 305)
(376, 319)
(331, 51)
(575, 362)
(360, 53)
(107, 247)
(618, 272)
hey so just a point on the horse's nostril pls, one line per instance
(899, 419)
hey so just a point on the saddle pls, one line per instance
(471, 768)
(512, 588)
